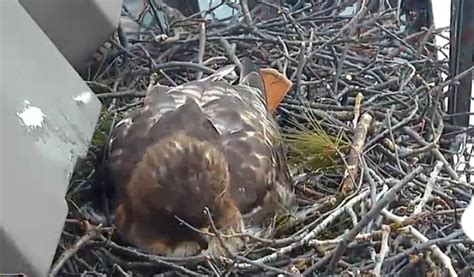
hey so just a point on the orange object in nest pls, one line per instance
(276, 87)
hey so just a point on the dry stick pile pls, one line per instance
(394, 204)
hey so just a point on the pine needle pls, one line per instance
(311, 146)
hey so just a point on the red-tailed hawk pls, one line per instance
(203, 144)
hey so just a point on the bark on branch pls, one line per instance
(353, 159)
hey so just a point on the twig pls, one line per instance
(359, 238)
(434, 151)
(309, 271)
(419, 247)
(358, 102)
(428, 188)
(299, 70)
(165, 261)
(246, 13)
(310, 235)
(217, 233)
(384, 249)
(353, 159)
(230, 53)
(374, 211)
(92, 232)
(445, 260)
(177, 65)
(237, 257)
(202, 47)
(428, 34)
(121, 271)
(128, 93)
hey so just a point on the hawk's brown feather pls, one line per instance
(202, 144)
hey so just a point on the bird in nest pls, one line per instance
(201, 157)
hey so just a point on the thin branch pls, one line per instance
(202, 47)
(351, 174)
(428, 188)
(92, 232)
(374, 211)
(384, 249)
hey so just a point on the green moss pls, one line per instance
(103, 128)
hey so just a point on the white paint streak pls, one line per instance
(83, 97)
(31, 116)
(467, 220)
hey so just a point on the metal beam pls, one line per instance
(461, 58)
(47, 119)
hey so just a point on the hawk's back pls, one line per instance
(232, 117)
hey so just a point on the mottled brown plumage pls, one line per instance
(203, 144)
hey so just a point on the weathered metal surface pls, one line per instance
(77, 28)
(47, 118)
(461, 58)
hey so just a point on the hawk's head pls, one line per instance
(177, 179)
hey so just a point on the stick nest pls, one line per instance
(378, 169)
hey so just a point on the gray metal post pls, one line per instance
(461, 58)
